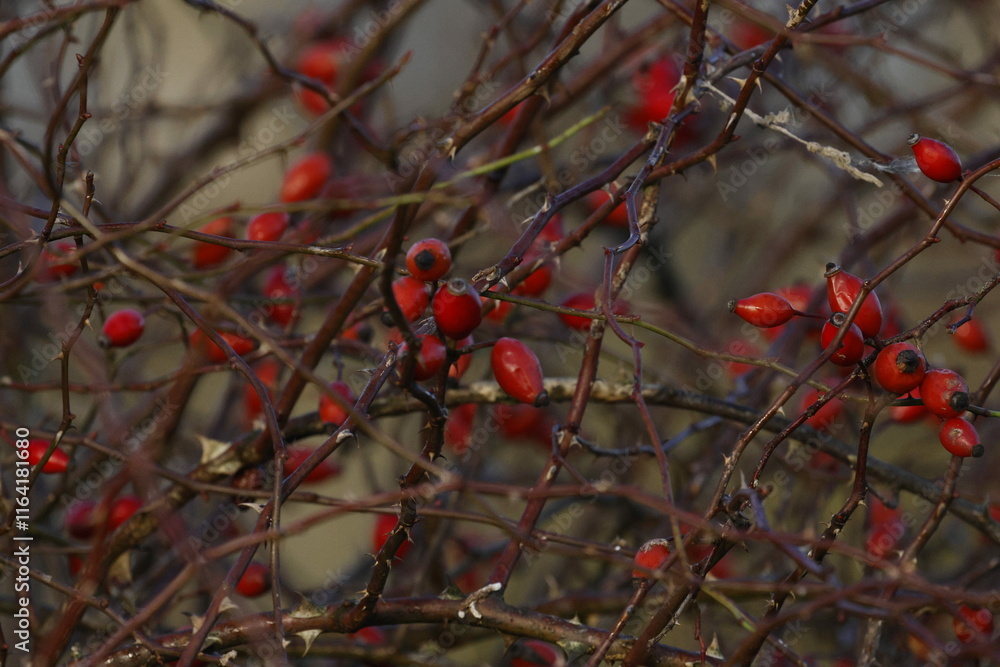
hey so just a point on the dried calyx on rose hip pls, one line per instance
(842, 289)
(936, 160)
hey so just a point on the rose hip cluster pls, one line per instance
(899, 368)
(457, 310)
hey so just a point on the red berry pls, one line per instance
(500, 310)
(852, 348)
(798, 295)
(306, 178)
(900, 368)
(433, 353)
(650, 556)
(972, 622)
(256, 580)
(52, 263)
(81, 519)
(206, 255)
(654, 86)
(384, 525)
(267, 372)
(330, 411)
(904, 414)
(842, 289)
(411, 295)
(122, 509)
(461, 364)
(57, 463)
(971, 336)
(763, 310)
(458, 428)
(518, 372)
(428, 259)
(885, 529)
(521, 422)
(618, 216)
(122, 328)
(533, 653)
(321, 61)
(200, 341)
(960, 438)
(535, 282)
(297, 456)
(937, 160)
(826, 417)
(457, 309)
(280, 309)
(944, 392)
(267, 226)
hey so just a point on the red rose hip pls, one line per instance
(256, 580)
(428, 259)
(937, 160)
(122, 328)
(842, 288)
(944, 392)
(306, 178)
(763, 310)
(960, 437)
(852, 348)
(650, 556)
(267, 226)
(900, 368)
(457, 309)
(518, 372)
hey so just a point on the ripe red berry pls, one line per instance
(457, 309)
(852, 348)
(654, 87)
(306, 178)
(518, 372)
(122, 509)
(330, 411)
(461, 364)
(905, 414)
(384, 525)
(944, 392)
(256, 580)
(58, 461)
(81, 519)
(500, 309)
(900, 368)
(763, 310)
(535, 653)
(297, 456)
(458, 428)
(267, 226)
(937, 160)
(321, 61)
(798, 295)
(960, 438)
(433, 353)
(200, 341)
(535, 282)
(52, 264)
(826, 417)
(618, 216)
(122, 328)
(972, 622)
(842, 289)
(411, 295)
(428, 259)
(971, 336)
(650, 556)
(206, 255)
(280, 308)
